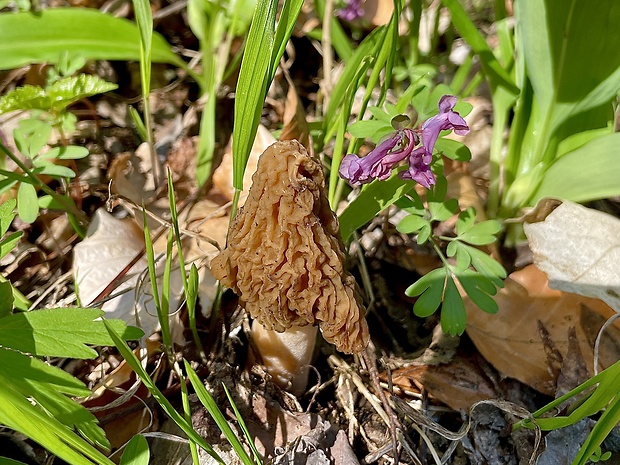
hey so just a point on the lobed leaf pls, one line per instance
(479, 289)
(60, 332)
(430, 288)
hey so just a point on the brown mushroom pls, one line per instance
(285, 258)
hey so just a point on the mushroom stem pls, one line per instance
(287, 355)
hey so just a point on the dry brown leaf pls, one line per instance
(459, 384)
(510, 339)
(223, 175)
(294, 120)
(579, 248)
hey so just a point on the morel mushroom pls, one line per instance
(284, 257)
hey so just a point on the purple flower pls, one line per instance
(352, 11)
(379, 163)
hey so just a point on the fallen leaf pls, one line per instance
(110, 246)
(511, 342)
(579, 249)
(459, 384)
(223, 175)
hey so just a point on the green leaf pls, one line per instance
(453, 149)
(6, 298)
(137, 367)
(453, 315)
(7, 214)
(27, 203)
(43, 37)
(466, 220)
(52, 417)
(411, 224)
(57, 97)
(31, 135)
(430, 289)
(70, 152)
(60, 332)
(481, 233)
(479, 289)
(373, 199)
(209, 403)
(252, 85)
(136, 452)
(424, 234)
(441, 211)
(570, 53)
(51, 169)
(588, 173)
(485, 265)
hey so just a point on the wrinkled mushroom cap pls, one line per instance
(284, 257)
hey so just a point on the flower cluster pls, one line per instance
(352, 11)
(401, 145)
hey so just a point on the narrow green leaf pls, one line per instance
(51, 169)
(136, 452)
(252, 85)
(27, 203)
(137, 367)
(209, 403)
(44, 36)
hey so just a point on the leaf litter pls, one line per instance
(539, 344)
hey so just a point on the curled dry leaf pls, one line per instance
(579, 249)
(110, 246)
(510, 340)
(285, 258)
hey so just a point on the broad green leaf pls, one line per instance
(7, 461)
(588, 173)
(370, 129)
(373, 199)
(136, 452)
(27, 203)
(411, 224)
(61, 332)
(570, 53)
(453, 149)
(43, 37)
(57, 97)
(453, 315)
(7, 214)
